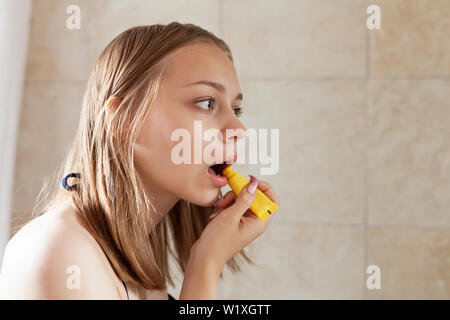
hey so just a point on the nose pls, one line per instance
(233, 130)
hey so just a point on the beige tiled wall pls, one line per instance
(363, 116)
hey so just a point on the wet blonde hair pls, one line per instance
(109, 199)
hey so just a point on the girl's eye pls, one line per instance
(207, 106)
(209, 103)
(238, 111)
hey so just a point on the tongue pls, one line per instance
(211, 170)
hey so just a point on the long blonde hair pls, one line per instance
(109, 199)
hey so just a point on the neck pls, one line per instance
(162, 201)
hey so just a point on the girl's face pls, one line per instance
(180, 102)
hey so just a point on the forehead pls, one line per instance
(201, 61)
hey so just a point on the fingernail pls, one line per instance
(213, 215)
(217, 202)
(252, 186)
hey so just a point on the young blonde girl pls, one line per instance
(125, 206)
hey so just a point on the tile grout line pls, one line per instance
(221, 17)
(366, 162)
(89, 41)
(262, 79)
(358, 225)
(341, 78)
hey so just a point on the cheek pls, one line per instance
(153, 152)
(154, 147)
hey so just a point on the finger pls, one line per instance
(245, 199)
(267, 189)
(226, 200)
(214, 214)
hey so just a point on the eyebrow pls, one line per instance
(217, 86)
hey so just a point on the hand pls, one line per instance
(233, 226)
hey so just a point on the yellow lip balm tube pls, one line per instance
(262, 206)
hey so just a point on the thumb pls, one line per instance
(245, 198)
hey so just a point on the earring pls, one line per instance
(70, 175)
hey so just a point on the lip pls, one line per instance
(218, 181)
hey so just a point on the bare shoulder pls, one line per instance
(53, 257)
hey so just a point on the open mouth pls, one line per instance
(215, 173)
(219, 167)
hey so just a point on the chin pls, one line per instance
(204, 198)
